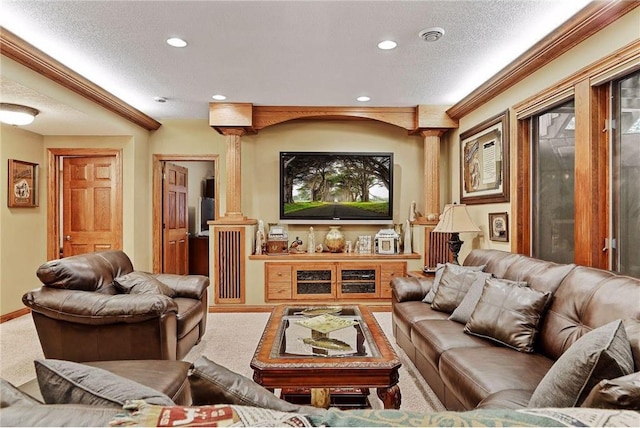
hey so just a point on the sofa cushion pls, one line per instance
(603, 353)
(508, 313)
(405, 314)
(88, 272)
(453, 268)
(58, 415)
(138, 282)
(212, 383)
(12, 396)
(433, 337)
(167, 376)
(472, 374)
(452, 289)
(541, 275)
(436, 281)
(497, 261)
(507, 399)
(587, 299)
(464, 310)
(67, 382)
(407, 288)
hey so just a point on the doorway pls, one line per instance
(84, 205)
(201, 168)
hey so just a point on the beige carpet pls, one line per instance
(230, 340)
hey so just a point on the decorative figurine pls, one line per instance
(311, 241)
(260, 239)
(412, 212)
(407, 238)
(295, 245)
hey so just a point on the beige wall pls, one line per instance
(23, 230)
(610, 39)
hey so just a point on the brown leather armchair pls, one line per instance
(81, 315)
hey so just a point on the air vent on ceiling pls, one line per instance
(431, 34)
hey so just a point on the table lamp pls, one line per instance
(455, 220)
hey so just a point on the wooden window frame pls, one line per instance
(590, 90)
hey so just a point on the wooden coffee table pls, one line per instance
(291, 355)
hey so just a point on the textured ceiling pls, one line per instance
(282, 52)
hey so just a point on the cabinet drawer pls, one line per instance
(278, 272)
(279, 291)
(388, 271)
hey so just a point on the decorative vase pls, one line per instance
(334, 240)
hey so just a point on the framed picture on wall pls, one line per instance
(23, 184)
(498, 227)
(484, 162)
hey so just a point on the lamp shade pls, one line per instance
(455, 219)
(15, 114)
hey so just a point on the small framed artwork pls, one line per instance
(387, 245)
(498, 227)
(484, 162)
(23, 184)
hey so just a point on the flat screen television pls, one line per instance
(332, 187)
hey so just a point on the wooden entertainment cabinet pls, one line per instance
(366, 277)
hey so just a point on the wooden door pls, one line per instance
(175, 220)
(90, 218)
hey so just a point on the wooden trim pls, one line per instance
(591, 19)
(15, 314)
(521, 194)
(53, 193)
(335, 256)
(624, 60)
(403, 117)
(157, 197)
(591, 175)
(15, 48)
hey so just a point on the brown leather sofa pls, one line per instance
(467, 371)
(80, 315)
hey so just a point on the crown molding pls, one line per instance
(593, 18)
(13, 47)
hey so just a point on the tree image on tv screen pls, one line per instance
(336, 185)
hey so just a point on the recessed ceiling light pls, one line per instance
(385, 45)
(363, 98)
(176, 42)
(219, 97)
(431, 34)
(160, 99)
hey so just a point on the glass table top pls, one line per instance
(332, 331)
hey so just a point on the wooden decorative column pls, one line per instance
(233, 138)
(431, 173)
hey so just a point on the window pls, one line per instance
(626, 175)
(553, 184)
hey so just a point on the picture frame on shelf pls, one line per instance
(484, 162)
(22, 185)
(499, 227)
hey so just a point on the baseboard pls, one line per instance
(14, 314)
(269, 308)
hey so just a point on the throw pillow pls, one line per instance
(453, 286)
(67, 382)
(438, 276)
(464, 310)
(619, 393)
(138, 282)
(603, 353)
(12, 396)
(212, 383)
(434, 286)
(144, 415)
(509, 313)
